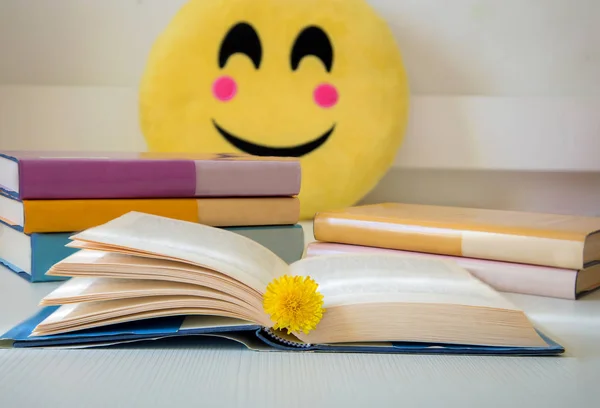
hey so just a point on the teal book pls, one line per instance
(31, 255)
(143, 277)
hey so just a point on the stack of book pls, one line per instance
(548, 255)
(46, 197)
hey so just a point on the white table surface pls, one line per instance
(207, 374)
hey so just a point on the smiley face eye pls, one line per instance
(243, 39)
(312, 41)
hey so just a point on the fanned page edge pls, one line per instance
(9, 175)
(256, 267)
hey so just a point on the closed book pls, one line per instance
(31, 255)
(143, 277)
(75, 215)
(562, 241)
(503, 276)
(74, 175)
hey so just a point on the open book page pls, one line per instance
(89, 263)
(77, 290)
(80, 316)
(224, 251)
(366, 278)
(61, 322)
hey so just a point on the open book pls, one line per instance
(135, 274)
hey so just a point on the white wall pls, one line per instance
(506, 93)
(456, 47)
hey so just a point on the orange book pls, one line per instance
(42, 216)
(562, 241)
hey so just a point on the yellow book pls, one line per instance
(562, 241)
(42, 216)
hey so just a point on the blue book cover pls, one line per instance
(253, 336)
(31, 255)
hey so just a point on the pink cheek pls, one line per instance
(224, 88)
(326, 95)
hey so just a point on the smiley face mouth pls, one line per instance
(262, 150)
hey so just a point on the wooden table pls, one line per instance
(206, 373)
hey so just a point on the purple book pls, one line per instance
(75, 175)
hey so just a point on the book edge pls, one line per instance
(466, 243)
(325, 218)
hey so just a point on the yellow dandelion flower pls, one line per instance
(293, 303)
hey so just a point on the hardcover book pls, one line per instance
(74, 175)
(45, 216)
(31, 255)
(142, 276)
(562, 241)
(503, 276)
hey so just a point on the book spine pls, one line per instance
(47, 250)
(96, 179)
(230, 212)
(559, 253)
(45, 216)
(502, 276)
(222, 178)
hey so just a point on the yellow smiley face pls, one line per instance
(321, 80)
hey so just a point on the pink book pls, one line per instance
(74, 175)
(502, 276)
